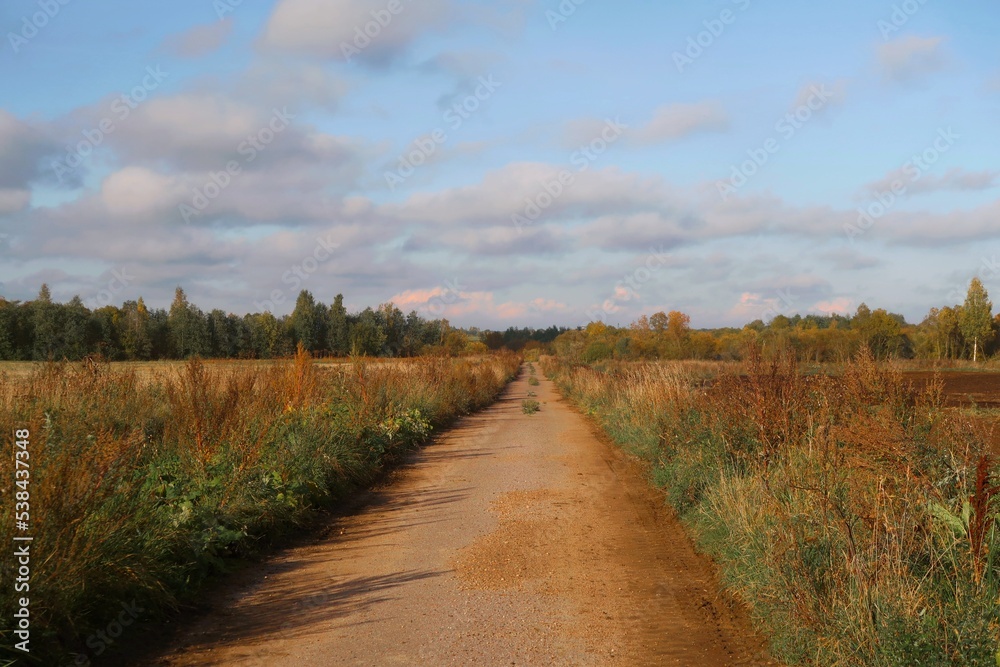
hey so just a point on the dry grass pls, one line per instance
(853, 513)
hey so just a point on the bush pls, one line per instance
(530, 407)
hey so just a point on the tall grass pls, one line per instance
(852, 513)
(141, 489)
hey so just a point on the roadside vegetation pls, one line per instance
(852, 512)
(142, 489)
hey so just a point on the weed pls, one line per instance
(854, 515)
(143, 487)
(530, 407)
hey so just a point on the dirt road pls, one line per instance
(512, 540)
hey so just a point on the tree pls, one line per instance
(76, 321)
(309, 322)
(188, 331)
(678, 331)
(264, 335)
(220, 338)
(337, 340)
(367, 336)
(47, 326)
(136, 340)
(976, 317)
(394, 325)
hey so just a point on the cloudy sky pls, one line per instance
(526, 162)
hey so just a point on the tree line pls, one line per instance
(963, 331)
(42, 329)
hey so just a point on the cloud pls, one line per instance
(280, 83)
(450, 303)
(954, 180)
(820, 97)
(13, 200)
(841, 305)
(676, 121)
(911, 59)
(24, 148)
(362, 30)
(137, 191)
(848, 260)
(200, 40)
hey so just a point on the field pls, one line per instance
(852, 510)
(147, 479)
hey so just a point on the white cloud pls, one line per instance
(323, 27)
(137, 191)
(910, 59)
(200, 40)
(956, 179)
(676, 121)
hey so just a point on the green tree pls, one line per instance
(976, 317)
(394, 324)
(47, 329)
(188, 331)
(337, 339)
(136, 340)
(263, 334)
(76, 321)
(309, 322)
(367, 336)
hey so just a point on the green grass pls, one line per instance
(530, 407)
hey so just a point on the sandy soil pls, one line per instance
(512, 540)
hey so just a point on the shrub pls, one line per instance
(530, 407)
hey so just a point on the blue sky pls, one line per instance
(261, 148)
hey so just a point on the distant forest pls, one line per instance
(42, 329)
(963, 331)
